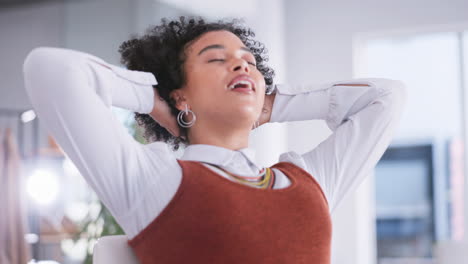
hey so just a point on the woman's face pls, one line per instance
(213, 61)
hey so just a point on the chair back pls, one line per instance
(113, 250)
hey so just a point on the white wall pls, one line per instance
(22, 29)
(319, 46)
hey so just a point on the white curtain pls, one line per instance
(13, 223)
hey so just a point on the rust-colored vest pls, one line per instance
(212, 219)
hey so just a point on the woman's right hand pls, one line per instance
(161, 113)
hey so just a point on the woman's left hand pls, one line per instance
(266, 110)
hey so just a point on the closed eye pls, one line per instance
(216, 60)
(223, 60)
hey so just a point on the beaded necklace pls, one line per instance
(265, 180)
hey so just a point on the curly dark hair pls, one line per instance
(161, 51)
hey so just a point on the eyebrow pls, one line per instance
(218, 46)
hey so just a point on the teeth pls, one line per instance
(241, 82)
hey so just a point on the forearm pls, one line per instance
(333, 102)
(132, 90)
(292, 104)
(114, 85)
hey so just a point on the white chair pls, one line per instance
(451, 252)
(113, 250)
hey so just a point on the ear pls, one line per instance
(180, 99)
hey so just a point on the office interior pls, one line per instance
(413, 207)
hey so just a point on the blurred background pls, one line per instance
(413, 208)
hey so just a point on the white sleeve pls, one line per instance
(72, 93)
(363, 120)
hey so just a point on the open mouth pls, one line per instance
(242, 85)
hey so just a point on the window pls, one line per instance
(419, 195)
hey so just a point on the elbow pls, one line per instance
(48, 60)
(34, 66)
(392, 92)
(31, 61)
(46, 67)
(36, 59)
(394, 99)
(399, 94)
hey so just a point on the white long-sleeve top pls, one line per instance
(72, 93)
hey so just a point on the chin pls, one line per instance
(245, 115)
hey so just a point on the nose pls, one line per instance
(241, 64)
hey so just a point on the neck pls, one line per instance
(225, 136)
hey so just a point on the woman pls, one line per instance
(206, 85)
